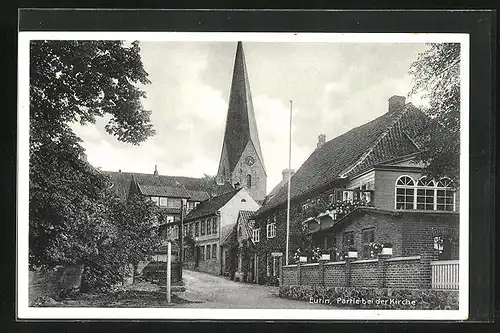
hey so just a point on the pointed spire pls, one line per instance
(241, 126)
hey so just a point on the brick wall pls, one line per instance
(419, 231)
(405, 273)
(364, 273)
(335, 274)
(311, 274)
(402, 273)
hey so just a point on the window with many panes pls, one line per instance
(405, 193)
(368, 238)
(214, 225)
(202, 252)
(214, 251)
(424, 194)
(203, 227)
(209, 251)
(271, 230)
(256, 235)
(445, 196)
(190, 229)
(348, 239)
(197, 229)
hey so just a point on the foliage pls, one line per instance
(381, 298)
(74, 217)
(436, 75)
(209, 184)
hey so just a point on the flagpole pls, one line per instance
(289, 176)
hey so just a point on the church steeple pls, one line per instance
(241, 151)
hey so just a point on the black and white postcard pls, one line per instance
(290, 176)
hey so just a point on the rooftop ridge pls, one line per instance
(376, 143)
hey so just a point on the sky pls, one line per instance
(334, 87)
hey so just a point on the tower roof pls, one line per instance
(241, 126)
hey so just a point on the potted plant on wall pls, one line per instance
(352, 252)
(387, 248)
(299, 256)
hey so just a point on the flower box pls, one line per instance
(387, 251)
(352, 254)
(302, 259)
(325, 257)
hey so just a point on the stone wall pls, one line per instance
(52, 283)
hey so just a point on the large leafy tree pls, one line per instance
(436, 77)
(74, 216)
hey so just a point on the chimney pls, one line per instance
(396, 103)
(286, 172)
(156, 170)
(321, 140)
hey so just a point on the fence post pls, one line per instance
(299, 273)
(347, 272)
(381, 270)
(425, 270)
(321, 267)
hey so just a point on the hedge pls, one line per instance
(374, 298)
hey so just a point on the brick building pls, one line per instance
(360, 188)
(209, 232)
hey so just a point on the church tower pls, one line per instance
(241, 162)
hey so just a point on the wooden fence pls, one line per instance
(445, 274)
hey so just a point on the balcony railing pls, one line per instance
(336, 208)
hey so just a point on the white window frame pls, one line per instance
(256, 235)
(418, 185)
(271, 230)
(412, 187)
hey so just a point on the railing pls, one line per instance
(444, 274)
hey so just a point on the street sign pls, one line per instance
(276, 254)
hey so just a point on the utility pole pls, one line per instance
(169, 271)
(288, 199)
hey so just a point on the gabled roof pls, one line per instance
(241, 126)
(211, 206)
(159, 185)
(163, 191)
(384, 138)
(243, 217)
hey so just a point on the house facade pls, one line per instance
(173, 195)
(360, 189)
(209, 230)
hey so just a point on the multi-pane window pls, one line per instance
(190, 229)
(202, 252)
(445, 197)
(203, 227)
(174, 202)
(197, 229)
(163, 201)
(405, 193)
(256, 235)
(209, 251)
(271, 230)
(214, 225)
(368, 237)
(214, 251)
(425, 194)
(348, 239)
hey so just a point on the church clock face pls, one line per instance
(250, 161)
